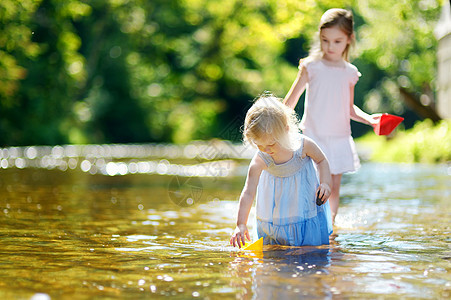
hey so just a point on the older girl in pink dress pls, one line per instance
(329, 103)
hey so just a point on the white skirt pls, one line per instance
(340, 152)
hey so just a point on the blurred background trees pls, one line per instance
(136, 71)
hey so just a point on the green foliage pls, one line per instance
(105, 71)
(42, 69)
(424, 143)
(397, 37)
(15, 41)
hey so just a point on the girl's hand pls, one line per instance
(238, 237)
(374, 119)
(323, 191)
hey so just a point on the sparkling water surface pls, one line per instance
(77, 225)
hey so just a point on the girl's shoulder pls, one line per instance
(300, 147)
(256, 166)
(262, 160)
(308, 61)
(305, 140)
(353, 72)
(311, 65)
(351, 66)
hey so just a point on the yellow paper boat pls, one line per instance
(255, 246)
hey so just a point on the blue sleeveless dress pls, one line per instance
(286, 208)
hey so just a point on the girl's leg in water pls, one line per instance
(334, 199)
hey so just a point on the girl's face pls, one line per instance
(333, 43)
(268, 145)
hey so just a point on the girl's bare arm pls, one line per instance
(359, 115)
(297, 88)
(312, 150)
(246, 199)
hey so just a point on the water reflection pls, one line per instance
(79, 235)
(214, 158)
(286, 272)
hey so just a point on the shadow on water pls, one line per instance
(138, 227)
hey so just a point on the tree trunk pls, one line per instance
(424, 111)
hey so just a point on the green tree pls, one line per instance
(397, 37)
(15, 42)
(41, 46)
(102, 71)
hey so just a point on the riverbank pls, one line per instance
(425, 143)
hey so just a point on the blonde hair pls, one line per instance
(341, 18)
(269, 116)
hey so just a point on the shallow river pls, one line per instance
(81, 226)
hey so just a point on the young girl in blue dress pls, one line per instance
(284, 180)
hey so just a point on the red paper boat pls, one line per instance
(387, 123)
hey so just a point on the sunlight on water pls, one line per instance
(72, 233)
(119, 159)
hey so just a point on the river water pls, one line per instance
(137, 222)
